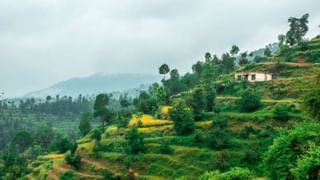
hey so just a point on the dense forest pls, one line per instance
(208, 124)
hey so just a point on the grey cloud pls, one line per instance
(45, 41)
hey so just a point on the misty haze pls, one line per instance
(162, 89)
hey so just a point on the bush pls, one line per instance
(312, 101)
(84, 125)
(68, 175)
(308, 164)
(182, 118)
(123, 122)
(198, 137)
(246, 131)
(220, 122)
(133, 160)
(281, 112)
(96, 135)
(61, 144)
(165, 148)
(235, 173)
(107, 175)
(218, 139)
(73, 160)
(221, 161)
(135, 141)
(251, 157)
(283, 154)
(249, 101)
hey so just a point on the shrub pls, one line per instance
(281, 112)
(84, 125)
(61, 144)
(198, 103)
(246, 131)
(251, 157)
(165, 148)
(198, 137)
(235, 173)
(308, 164)
(249, 101)
(220, 122)
(107, 175)
(285, 151)
(312, 101)
(133, 160)
(73, 160)
(218, 139)
(135, 141)
(96, 134)
(68, 175)
(182, 118)
(221, 161)
(123, 122)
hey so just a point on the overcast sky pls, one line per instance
(46, 41)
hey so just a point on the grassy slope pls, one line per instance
(189, 158)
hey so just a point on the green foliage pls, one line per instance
(251, 157)
(285, 151)
(165, 148)
(134, 141)
(235, 173)
(219, 139)
(198, 103)
(61, 106)
(234, 50)
(84, 125)
(308, 165)
(122, 122)
(44, 136)
(107, 175)
(96, 134)
(164, 69)
(304, 45)
(267, 52)
(228, 63)
(249, 101)
(298, 29)
(100, 109)
(14, 165)
(312, 101)
(246, 131)
(243, 59)
(220, 122)
(68, 175)
(210, 98)
(198, 137)
(146, 103)
(281, 112)
(182, 118)
(61, 144)
(281, 39)
(22, 140)
(73, 159)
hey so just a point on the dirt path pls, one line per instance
(97, 164)
(57, 170)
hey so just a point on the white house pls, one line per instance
(253, 76)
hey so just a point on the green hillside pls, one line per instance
(202, 125)
(169, 156)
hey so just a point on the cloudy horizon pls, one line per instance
(43, 42)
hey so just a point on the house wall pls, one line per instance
(254, 76)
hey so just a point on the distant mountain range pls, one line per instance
(100, 83)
